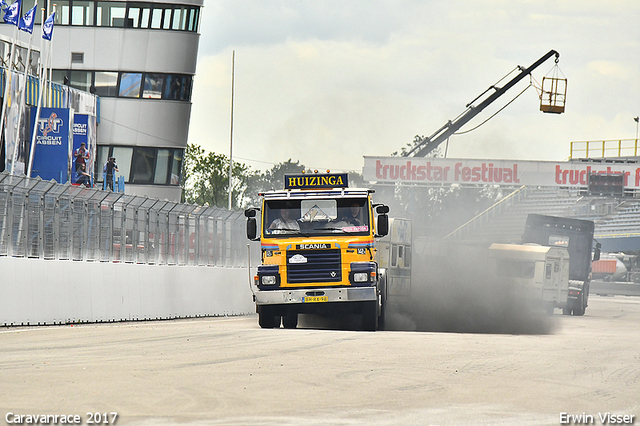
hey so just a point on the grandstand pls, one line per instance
(617, 220)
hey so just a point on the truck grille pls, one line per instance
(321, 266)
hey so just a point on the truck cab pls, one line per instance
(318, 251)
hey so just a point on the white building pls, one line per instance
(140, 59)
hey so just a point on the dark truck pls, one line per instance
(577, 236)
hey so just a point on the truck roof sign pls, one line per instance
(314, 181)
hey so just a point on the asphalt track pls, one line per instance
(228, 371)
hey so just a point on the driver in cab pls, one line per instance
(284, 222)
(352, 217)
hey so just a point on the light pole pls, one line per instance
(637, 120)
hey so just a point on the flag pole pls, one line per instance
(22, 96)
(233, 68)
(7, 86)
(40, 93)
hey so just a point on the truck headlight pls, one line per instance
(360, 277)
(269, 280)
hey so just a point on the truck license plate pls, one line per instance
(315, 299)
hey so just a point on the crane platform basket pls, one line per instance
(553, 95)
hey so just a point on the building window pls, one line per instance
(123, 157)
(77, 57)
(143, 165)
(111, 14)
(153, 86)
(82, 13)
(106, 83)
(80, 80)
(130, 85)
(139, 15)
(156, 85)
(62, 12)
(90, 13)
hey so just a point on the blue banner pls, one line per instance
(52, 156)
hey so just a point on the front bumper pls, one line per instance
(296, 296)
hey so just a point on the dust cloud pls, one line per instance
(456, 289)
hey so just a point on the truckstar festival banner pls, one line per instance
(437, 171)
(52, 156)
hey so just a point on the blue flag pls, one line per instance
(3, 5)
(12, 13)
(26, 22)
(47, 27)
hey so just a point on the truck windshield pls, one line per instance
(316, 217)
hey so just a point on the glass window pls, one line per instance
(394, 255)
(193, 21)
(174, 88)
(57, 76)
(33, 63)
(156, 17)
(186, 92)
(102, 157)
(176, 167)
(166, 19)
(82, 13)
(177, 18)
(146, 14)
(80, 80)
(143, 165)
(106, 83)
(110, 14)
(130, 85)
(548, 271)
(162, 166)
(153, 86)
(139, 15)
(20, 58)
(62, 12)
(123, 160)
(5, 52)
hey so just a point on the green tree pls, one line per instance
(206, 179)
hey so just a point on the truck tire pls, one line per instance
(290, 320)
(580, 308)
(266, 317)
(566, 310)
(370, 316)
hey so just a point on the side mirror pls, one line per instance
(382, 209)
(250, 213)
(383, 225)
(252, 228)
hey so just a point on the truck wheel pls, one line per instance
(266, 318)
(566, 310)
(579, 310)
(382, 319)
(370, 316)
(290, 320)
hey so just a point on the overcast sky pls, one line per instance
(327, 82)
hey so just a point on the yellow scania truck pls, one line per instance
(318, 249)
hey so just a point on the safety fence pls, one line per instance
(47, 220)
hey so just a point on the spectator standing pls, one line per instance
(109, 167)
(81, 156)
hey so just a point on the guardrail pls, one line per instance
(47, 220)
(606, 288)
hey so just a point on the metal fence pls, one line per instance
(47, 220)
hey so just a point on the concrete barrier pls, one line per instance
(36, 291)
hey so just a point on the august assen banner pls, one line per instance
(492, 172)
